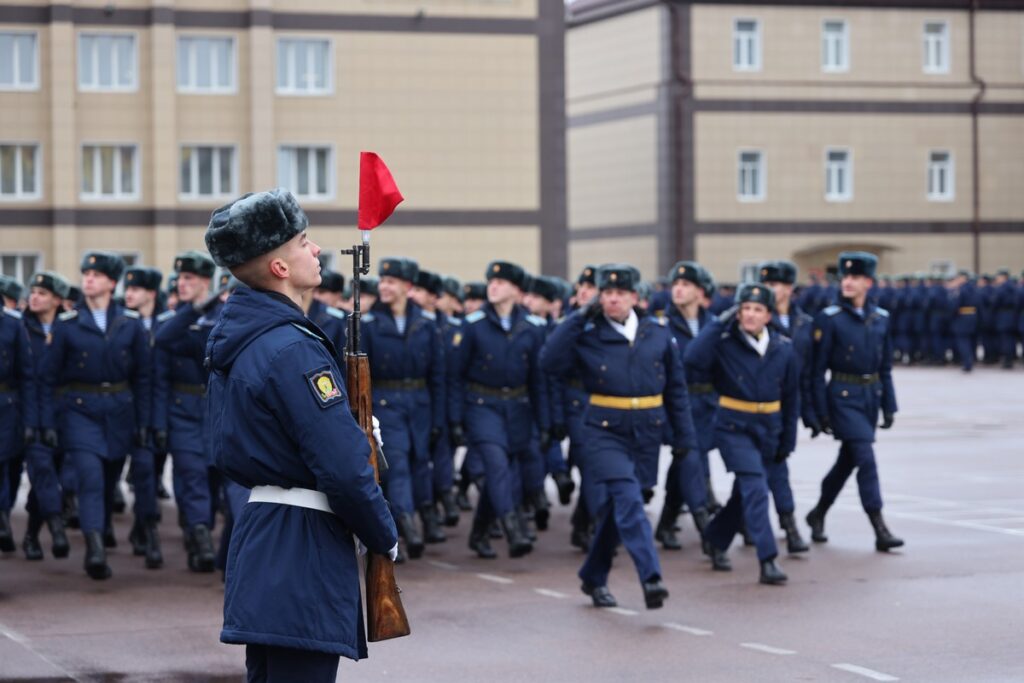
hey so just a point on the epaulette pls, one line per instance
(367, 317)
(429, 315)
(165, 316)
(831, 310)
(455, 321)
(129, 313)
(336, 312)
(67, 315)
(475, 316)
(307, 331)
(589, 326)
(13, 312)
(662, 321)
(537, 320)
(882, 312)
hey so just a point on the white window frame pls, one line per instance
(950, 193)
(24, 87)
(195, 196)
(331, 177)
(136, 193)
(23, 277)
(844, 57)
(847, 194)
(292, 91)
(945, 52)
(192, 88)
(748, 272)
(762, 169)
(95, 87)
(18, 195)
(757, 46)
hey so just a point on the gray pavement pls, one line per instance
(949, 607)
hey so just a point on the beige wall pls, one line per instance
(641, 252)
(1002, 168)
(439, 8)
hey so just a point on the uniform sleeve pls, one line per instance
(790, 402)
(461, 351)
(330, 443)
(700, 353)
(822, 341)
(52, 362)
(804, 361)
(558, 355)
(161, 388)
(539, 396)
(437, 378)
(173, 335)
(677, 398)
(142, 376)
(27, 388)
(885, 373)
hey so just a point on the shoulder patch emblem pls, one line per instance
(882, 312)
(336, 312)
(429, 315)
(475, 316)
(68, 315)
(165, 316)
(129, 313)
(817, 334)
(323, 385)
(457, 339)
(455, 322)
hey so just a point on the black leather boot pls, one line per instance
(565, 486)
(655, 593)
(7, 544)
(70, 512)
(462, 495)
(201, 556)
(432, 532)
(665, 532)
(701, 517)
(599, 595)
(884, 540)
(816, 520)
(720, 561)
(541, 510)
(479, 538)
(61, 547)
(451, 509)
(413, 539)
(794, 541)
(30, 544)
(154, 557)
(580, 536)
(518, 544)
(137, 538)
(525, 516)
(771, 574)
(96, 557)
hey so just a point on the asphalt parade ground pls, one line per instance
(948, 607)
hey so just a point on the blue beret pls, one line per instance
(252, 225)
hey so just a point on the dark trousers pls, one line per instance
(748, 505)
(777, 474)
(965, 350)
(502, 490)
(45, 496)
(442, 459)
(144, 484)
(686, 483)
(621, 518)
(97, 477)
(192, 487)
(269, 664)
(853, 455)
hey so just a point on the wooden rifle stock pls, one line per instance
(385, 615)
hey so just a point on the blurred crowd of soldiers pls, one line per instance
(484, 390)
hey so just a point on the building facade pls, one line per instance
(123, 126)
(735, 131)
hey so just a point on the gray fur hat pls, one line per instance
(253, 225)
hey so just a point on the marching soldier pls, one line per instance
(756, 375)
(1004, 303)
(852, 342)
(331, 290)
(321, 307)
(965, 319)
(474, 297)
(497, 396)
(630, 366)
(96, 387)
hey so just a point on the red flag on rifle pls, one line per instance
(378, 193)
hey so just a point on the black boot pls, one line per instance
(771, 574)
(7, 544)
(161, 491)
(413, 539)
(665, 532)
(494, 530)
(201, 556)
(541, 510)
(518, 543)
(70, 511)
(154, 557)
(794, 542)
(96, 557)
(719, 559)
(61, 548)
(599, 595)
(479, 538)
(432, 532)
(118, 505)
(30, 544)
(580, 536)
(109, 539)
(654, 593)
(884, 540)
(816, 520)
(565, 486)
(137, 538)
(451, 508)
(462, 495)
(525, 516)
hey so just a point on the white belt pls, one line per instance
(303, 498)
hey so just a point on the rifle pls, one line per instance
(385, 615)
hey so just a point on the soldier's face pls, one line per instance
(422, 297)
(783, 291)
(855, 286)
(191, 287)
(585, 293)
(472, 306)
(616, 303)
(501, 291)
(393, 289)
(137, 297)
(95, 283)
(753, 317)
(685, 293)
(42, 300)
(302, 257)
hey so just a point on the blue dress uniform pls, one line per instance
(333, 321)
(497, 394)
(97, 390)
(939, 319)
(758, 400)
(855, 346)
(442, 455)
(636, 387)
(965, 322)
(19, 409)
(1004, 304)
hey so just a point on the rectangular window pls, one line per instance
(19, 61)
(936, 47)
(109, 172)
(207, 172)
(20, 266)
(751, 178)
(838, 175)
(835, 46)
(941, 186)
(746, 45)
(303, 66)
(206, 65)
(306, 171)
(19, 171)
(107, 62)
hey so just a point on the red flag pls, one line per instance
(378, 193)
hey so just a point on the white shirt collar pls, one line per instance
(627, 330)
(759, 344)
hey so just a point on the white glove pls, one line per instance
(376, 432)
(393, 553)
(360, 548)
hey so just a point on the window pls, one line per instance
(206, 65)
(19, 63)
(751, 176)
(746, 45)
(20, 266)
(109, 172)
(303, 66)
(838, 175)
(106, 62)
(749, 271)
(207, 172)
(306, 171)
(835, 46)
(940, 176)
(936, 47)
(19, 171)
